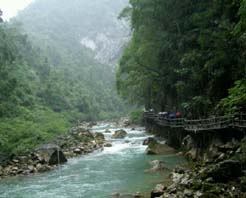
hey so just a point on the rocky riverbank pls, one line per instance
(79, 141)
(220, 172)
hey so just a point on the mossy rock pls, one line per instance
(99, 137)
(84, 136)
(119, 134)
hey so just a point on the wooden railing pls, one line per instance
(213, 123)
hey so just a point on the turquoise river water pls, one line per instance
(119, 168)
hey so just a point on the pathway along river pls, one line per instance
(119, 168)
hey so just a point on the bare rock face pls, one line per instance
(120, 134)
(51, 154)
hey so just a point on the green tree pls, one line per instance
(183, 54)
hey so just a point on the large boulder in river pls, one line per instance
(51, 154)
(156, 166)
(156, 148)
(82, 134)
(85, 136)
(99, 138)
(119, 134)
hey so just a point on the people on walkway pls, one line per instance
(172, 115)
(163, 114)
(178, 114)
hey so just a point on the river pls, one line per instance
(119, 168)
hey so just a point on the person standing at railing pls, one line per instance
(172, 115)
(178, 114)
(163, 114)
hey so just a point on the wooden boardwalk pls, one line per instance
(213, 123)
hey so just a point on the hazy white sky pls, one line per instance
(11, 7)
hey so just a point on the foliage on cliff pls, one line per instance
(48, 80)
(26, 78)
(184, 55)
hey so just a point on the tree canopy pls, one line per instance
(48, 80)
(183, 55)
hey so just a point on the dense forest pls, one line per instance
(49, 78)
(58, 63)
(186, 55)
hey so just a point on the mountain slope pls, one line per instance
(56, 69)
(83, 40)
(92, 24)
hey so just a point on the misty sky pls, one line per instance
(11, 7)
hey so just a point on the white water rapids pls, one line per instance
(119, 168)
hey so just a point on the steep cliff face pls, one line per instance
(94, 25)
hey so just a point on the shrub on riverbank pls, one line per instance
(40, 99)
(23, 133)
(136, 117)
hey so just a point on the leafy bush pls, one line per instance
(21, 134)
(136, 116)
(236, 100)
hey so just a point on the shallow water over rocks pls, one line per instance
(119, 168)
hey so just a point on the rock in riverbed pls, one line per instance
(99, 138)
(223, 176)
(156, 148)
(51, 154)
(107, 131)
(108, 145)
(46, 157)
(158, 191)
(156, 166)
(119, 134)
